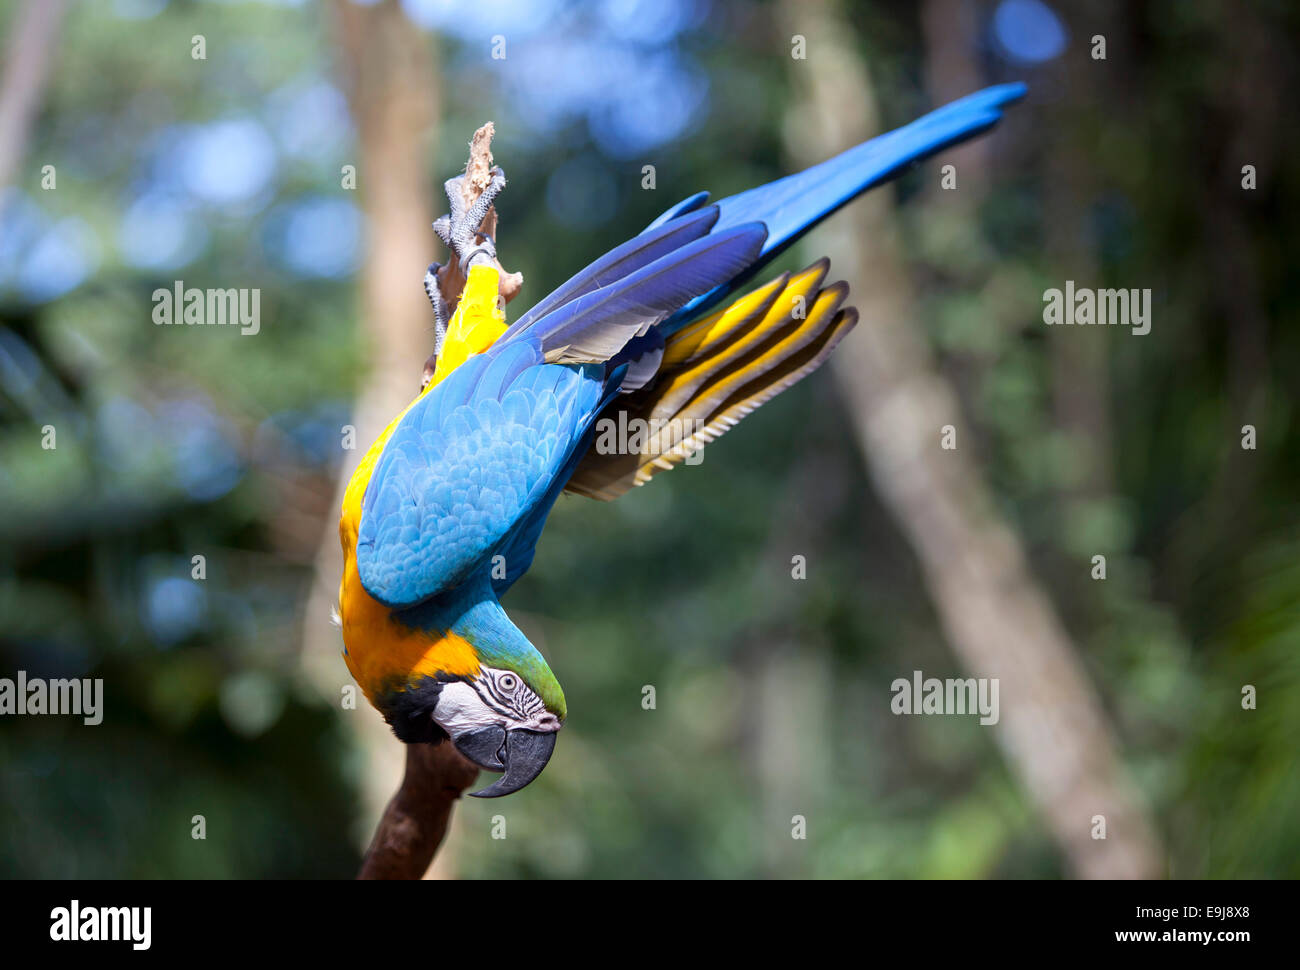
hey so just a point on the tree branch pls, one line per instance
(416, 819)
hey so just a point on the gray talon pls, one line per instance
(434, 293)
(442, 226)
(484, 252)
(459, 229)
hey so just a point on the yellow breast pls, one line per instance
(377, 648)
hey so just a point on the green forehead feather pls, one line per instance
(499, 643)
(532, 667)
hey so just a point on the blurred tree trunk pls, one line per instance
(1000, 623)
(1245, 122)
(1087, 90)
(951, 32)
(789, 730)
(389, 75)
(29, 55)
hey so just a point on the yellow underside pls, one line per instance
(717, 370)
(381, 652)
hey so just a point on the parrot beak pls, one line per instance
(483, 747)
(521, 754)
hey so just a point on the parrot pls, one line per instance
(444, 511)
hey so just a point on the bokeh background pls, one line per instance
(223, 696)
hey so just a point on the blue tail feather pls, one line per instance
(649, 272)
(791, 206)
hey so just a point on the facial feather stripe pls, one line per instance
(507, 694)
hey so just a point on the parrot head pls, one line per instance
(504, 716)
(466, 673)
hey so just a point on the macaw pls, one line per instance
(443, 512)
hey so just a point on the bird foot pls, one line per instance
(468, 231)
(462, 229)
(433, 290)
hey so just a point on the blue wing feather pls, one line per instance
(681, 208)
(472, 458)
(521, 544)
(647, 272)
(618, 263)
(598, 324)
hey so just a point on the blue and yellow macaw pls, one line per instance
(444, 510)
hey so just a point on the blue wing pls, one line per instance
(472, 459)
(475, 465)
(520, 546)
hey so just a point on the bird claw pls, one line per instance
(434, 292)
(460, 230)
(442, 226)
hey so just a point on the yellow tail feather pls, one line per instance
(714, 372)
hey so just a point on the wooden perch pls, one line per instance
(416, 820)
(477, 176)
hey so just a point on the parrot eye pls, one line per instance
(509, 682)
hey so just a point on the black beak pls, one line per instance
(523, 756)
(484, 747)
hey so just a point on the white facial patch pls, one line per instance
(462, 708)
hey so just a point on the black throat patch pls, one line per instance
(409, 711)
